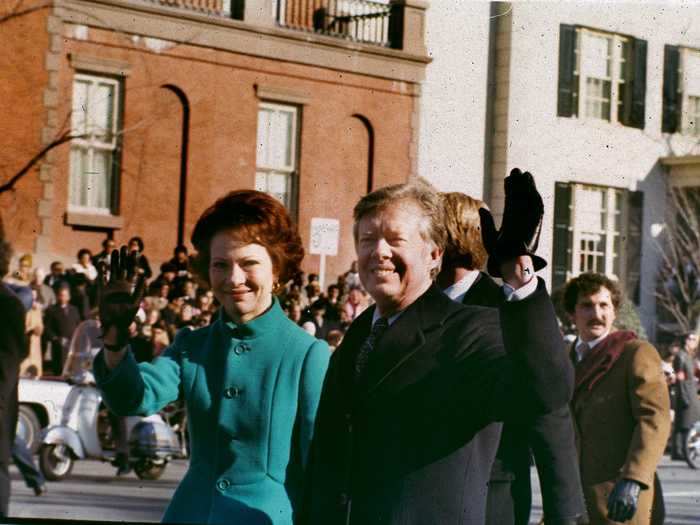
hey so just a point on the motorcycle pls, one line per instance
(85, 433)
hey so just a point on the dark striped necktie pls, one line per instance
(378, 329)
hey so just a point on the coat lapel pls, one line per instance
(405, 337)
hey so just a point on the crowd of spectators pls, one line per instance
(66, 297)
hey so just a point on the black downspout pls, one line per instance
(185, 141)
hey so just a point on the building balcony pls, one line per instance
(394, 24)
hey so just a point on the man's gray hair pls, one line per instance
(419, 192)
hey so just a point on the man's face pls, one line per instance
(594, 314)
(394, 260)
(110, 246)
(63, 296)
(691, 342)
(57, 269)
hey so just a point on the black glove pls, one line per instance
(119, 298)
(521, 225)
(623, 501)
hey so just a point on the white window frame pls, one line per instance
(690, 124)
(289, 170)
(616, 60)
(580, 229)
(91, 142)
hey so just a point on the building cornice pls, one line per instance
(684, 160)
(213, 31)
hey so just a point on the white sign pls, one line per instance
(325, 235)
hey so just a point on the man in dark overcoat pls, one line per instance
(60, 321)
(551, 436)
(13, 349)
(419, 376)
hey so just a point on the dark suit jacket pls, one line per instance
(60, 322)
(551, 437)
(399, 448)
(13, 349)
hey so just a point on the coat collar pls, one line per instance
(261, 325)
(403, 339)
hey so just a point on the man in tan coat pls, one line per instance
(620, 407)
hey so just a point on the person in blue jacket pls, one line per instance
(251, 380)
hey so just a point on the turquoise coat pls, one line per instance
(251, 392)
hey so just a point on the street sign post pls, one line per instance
(324, 239)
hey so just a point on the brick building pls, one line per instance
(172, 103)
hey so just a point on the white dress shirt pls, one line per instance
(582, 347)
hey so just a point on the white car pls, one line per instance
(40, 405)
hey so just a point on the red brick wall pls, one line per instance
(22, 82)
(221, 90)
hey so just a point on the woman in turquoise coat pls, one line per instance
(251, 380)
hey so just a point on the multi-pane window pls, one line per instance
(601, 76)
(600, 68)
(277, 145)
(596, 223)
(597, 229)
(93, 153)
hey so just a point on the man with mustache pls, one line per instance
(620, 407)
(419, 376)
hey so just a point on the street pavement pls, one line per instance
(93, 492)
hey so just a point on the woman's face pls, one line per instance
(241, 276)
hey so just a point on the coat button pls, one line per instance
(241, 348)
(232, 391)
(223, 484)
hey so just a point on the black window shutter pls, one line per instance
(639, 83)
(633, 244)
(566, 106)
(671, 95)
(561, 249)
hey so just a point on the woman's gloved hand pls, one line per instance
(119, 297)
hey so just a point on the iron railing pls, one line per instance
(357, 20)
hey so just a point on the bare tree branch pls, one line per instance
(66, 136)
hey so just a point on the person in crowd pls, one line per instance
(32, 366)
(352, 277)
(103, 257)
(84, 265)
(418, 375)
(181, 262)
(251, 380)
(57, 277)
(157, 297)
(204, 301)
(294, 311)
(620, 406)
(687, 408)
(322, 325)
(168, 275)
(60, 321)
(23, 275)
(312, 293)
(82, 294)
(45, 295)
(551, 436)
(143, 267)
(333, 303)
(355, 303)
(13, 349)
(334, 338)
